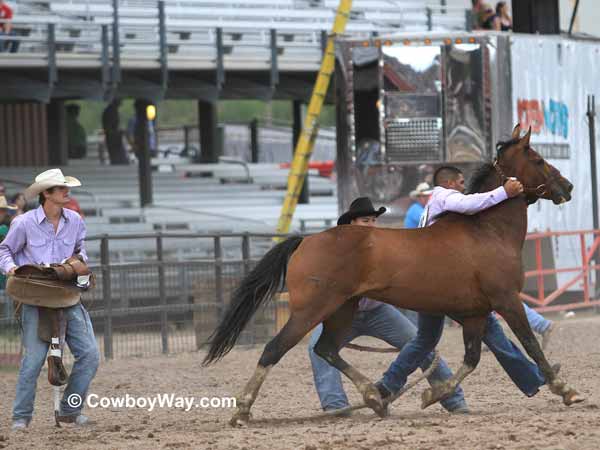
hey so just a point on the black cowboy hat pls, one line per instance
(361, 207)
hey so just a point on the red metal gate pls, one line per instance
(581, 273)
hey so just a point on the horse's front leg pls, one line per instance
(473, 329)
(514, 314)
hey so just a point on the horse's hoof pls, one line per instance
(433, 395)
(373, 400)
(240, 420)
(427, 398)
(572, 397)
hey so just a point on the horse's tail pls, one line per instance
(258, 287)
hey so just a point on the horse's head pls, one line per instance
(516, 158)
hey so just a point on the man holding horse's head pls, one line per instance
(451, 179)
(448, 196)
(374, 319)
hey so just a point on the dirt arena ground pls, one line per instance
(501, 417)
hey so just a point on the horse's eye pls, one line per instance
(540, 162)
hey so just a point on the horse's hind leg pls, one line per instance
(294, 330)
(514, 314)
(473, 329)
(335, 331)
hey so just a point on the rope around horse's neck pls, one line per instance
(393, 398)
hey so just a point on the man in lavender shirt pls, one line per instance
(50, 234)
(448, 196)
(374, 319)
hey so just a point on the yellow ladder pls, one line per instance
(310, 129)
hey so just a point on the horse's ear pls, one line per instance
(525, 139)
(516, 131)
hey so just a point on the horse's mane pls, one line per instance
(479, 177)
(483, 171)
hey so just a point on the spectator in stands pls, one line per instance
(6, 28)
(420, 197)
(113, 135)
(503, 16)
(76, 136)
(489, 20)
(476, 11)
(20, 202)
(4, 225)
(5, 219)
(5, 214)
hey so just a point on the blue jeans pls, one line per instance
(538, 323)
(525, 374)
(384, 322)
(82, 343)
(11, 46)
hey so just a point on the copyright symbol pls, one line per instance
(74, 400)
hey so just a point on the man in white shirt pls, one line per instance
(448, 196)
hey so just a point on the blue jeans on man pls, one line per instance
(11, 46)
(525, 374)
(81, 341)
(384, 322)
(538, 323)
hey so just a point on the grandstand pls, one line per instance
(219, 198)
(201, 34)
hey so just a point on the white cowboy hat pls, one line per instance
(4, 204)
(46, 180)
(422, 189)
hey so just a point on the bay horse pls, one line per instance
(462, 266)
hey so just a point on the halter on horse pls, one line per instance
(476, 261)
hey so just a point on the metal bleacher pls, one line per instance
(191, 30)
(109, 198)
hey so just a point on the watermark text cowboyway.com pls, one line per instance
(151, 402)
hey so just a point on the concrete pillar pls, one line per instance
(296, 130)
(209, 142)
(57, 133)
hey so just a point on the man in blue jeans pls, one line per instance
(50, 234)
(448, 196)
(540, 325)
(378, 320)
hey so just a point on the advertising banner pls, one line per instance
(551, 79)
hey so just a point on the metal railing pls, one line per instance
(163, 304)
(169, 29)
(574, 286)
